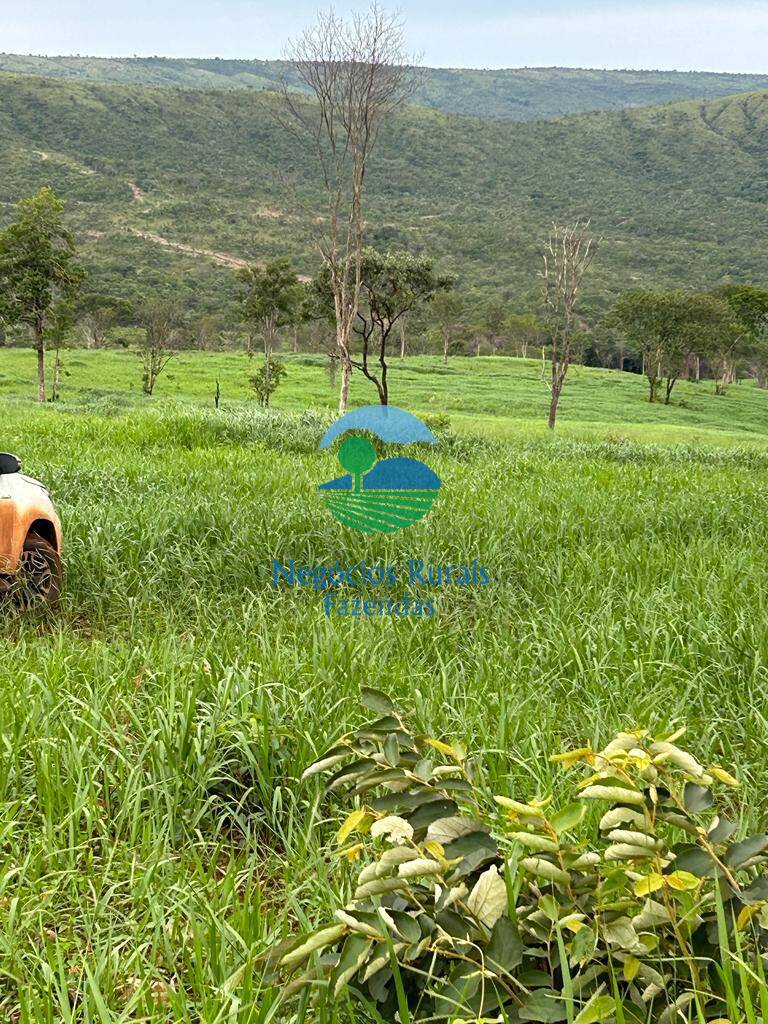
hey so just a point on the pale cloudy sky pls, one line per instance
(675, 34)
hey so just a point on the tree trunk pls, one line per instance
(556, 389)
(402, 340)
(652, 385)
(445, 347)
(698, 369)
(383, 387)
(56, 376)
(40, 346)
(346, 377)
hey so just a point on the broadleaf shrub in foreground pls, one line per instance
(470, 906)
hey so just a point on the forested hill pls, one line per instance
(169, 188)
(517, 94)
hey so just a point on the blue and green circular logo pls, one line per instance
(379, 495)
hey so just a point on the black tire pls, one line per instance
(39, 576)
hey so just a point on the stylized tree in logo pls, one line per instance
(357, 455)
(379, 495)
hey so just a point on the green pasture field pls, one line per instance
(495, 396)
(155, 835)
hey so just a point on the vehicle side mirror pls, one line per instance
(9, 464)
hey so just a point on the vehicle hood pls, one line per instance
(35, 483)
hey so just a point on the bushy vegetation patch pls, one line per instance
(653, 912)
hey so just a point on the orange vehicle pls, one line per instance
(30, 539)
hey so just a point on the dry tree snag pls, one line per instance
(567, 257)
(357, 73)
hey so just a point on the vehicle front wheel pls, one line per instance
(39, 576)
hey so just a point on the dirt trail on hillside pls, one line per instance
(138, 193)
(225, 259)
(62, 158)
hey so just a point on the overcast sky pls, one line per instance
(675, 34)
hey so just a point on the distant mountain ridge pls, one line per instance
(515, 94)
(170, 190)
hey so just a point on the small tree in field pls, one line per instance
(39, 272)
(97, 315)
(758, 355)
(267, 379)
(162, 325)
(357, 73)
(524, 330)
(667, 327)
(567, 256)
(448, 308)
(392, 285)
(748, 308)
(271, 299)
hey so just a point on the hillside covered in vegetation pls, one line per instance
(517, 94)
(169, 189)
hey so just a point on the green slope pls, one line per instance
(678, 193)
(518, 94)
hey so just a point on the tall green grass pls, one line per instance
(155, 837)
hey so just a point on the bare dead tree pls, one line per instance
(567, 256)
(357, 73)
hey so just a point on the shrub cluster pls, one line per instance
(470, 905)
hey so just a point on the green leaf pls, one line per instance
(583, 946)
(446, 830)
(407, 926)
(598, 1009)
(333, 757)
(392, 750)
(454, 924)
(354, 953)
(533, 841)
(404, 801)
(697, 799)
(378, 982)
(325, 937)
(377, 887)
(377, 701)
(350, 771)
(740, 853)
(695, 860)
(621, 933)
(756, 892)
(568, 817)
(631, 967)
(488, 899)
(549, 906)
(721, 830)
(381, 727)
(505, 950)
(543, 1005)
(453, 1000)
(430, 812)
(474, 850)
